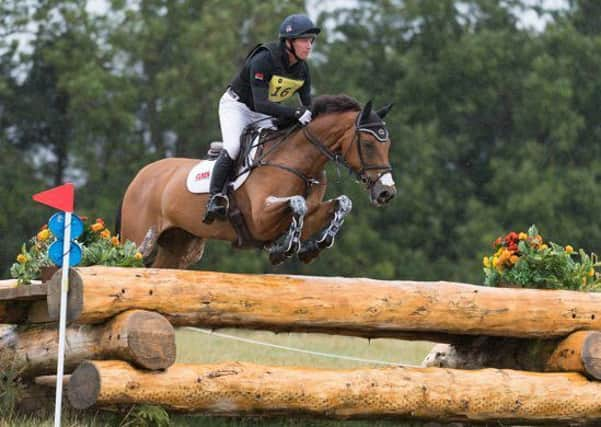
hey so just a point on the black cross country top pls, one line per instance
(267, 78)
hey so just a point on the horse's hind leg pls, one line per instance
(178, 249)
(336, 210)
(149, 247)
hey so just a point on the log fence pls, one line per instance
(508, 355)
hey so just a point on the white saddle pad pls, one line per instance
(199, 176)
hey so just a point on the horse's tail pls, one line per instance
(118, 218)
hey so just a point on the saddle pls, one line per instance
(252, 144)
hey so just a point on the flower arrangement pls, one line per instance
(99, 246)
(526, 260)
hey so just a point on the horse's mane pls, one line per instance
(325, 104)
(322, 104)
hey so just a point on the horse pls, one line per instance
(281, 201)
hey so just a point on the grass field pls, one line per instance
(194, 346)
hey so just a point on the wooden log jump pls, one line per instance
(144, 338)
(20, 304)
(438, 311)
(399, 392)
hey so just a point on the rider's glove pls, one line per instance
(303, 115)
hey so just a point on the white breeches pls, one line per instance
(234, 116)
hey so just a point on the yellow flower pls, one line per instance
(569, 249)
(138, 256)
(522, 236)
(543, 247)
(486, 262)
(96, 227)
(21, 259)
(43, 235)
(591, 272)
(105, 234)
(495, 261)
(115, 241)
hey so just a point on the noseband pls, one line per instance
(340, 158)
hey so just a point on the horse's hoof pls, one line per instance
(308, 252)
(276, 258)
(326, 242)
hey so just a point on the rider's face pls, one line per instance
(303, 46)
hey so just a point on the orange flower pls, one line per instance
(513, 259)
(43, 235)
(115, 241)
(97, 227)
(591, 272)
(100, 221)
(105, 234)
(138, 256)
(21, 259)
(569, 249)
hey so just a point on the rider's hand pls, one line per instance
(303, 115)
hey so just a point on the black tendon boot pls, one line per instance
(218, 202)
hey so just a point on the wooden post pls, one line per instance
(362, 307)
(143, 338)
(399, 392)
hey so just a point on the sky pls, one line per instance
(314, 7)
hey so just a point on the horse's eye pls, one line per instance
(368, 147)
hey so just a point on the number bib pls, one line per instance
(281, 88)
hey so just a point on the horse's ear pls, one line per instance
(384, 110)
(365, 112)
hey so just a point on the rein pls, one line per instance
(338, 158)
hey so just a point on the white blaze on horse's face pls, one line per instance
(387, 180)
(383, 190)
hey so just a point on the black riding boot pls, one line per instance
(218, 202)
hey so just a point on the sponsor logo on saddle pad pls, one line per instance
(199, 176)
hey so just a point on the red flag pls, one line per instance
(61, 197)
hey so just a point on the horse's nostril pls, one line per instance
(385, 196)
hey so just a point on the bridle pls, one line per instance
(381, 134)
(340, 158)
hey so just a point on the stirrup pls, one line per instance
(217, 208)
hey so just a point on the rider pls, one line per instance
(272, 73)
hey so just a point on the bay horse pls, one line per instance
(281, 201)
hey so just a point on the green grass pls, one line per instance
(197, 347)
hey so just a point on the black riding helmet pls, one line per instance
(296, 26)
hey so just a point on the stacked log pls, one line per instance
(481, 328)
(440, 311)
(399, 392)
(29, 342)
(143, 338)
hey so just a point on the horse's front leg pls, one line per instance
(289, 243)
(335, 210)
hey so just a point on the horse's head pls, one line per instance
(367, 154)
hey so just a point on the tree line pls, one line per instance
(495, 125)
